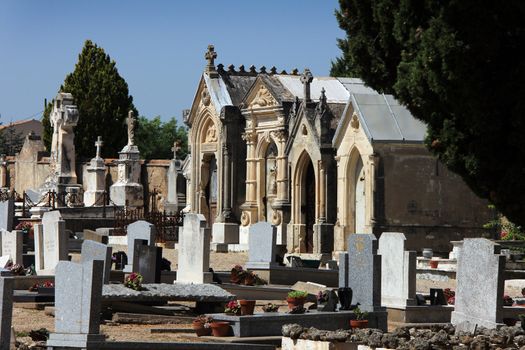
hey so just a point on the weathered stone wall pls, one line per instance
(416, 194)
(33, 172)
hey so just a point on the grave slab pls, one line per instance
(268, 324)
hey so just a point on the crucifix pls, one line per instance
(306, 79)
(210, 56)
(98, 145)
(130, 120)
(175, 148)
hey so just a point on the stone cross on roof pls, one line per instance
(130, 120)
(98, 145)
(175, 148)
(210, 56)
(306, 79)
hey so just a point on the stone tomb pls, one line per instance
(194, 250)
(480, 284)
(142, 230)
(92, 250)
(7, 213)
(262, 243)
(51, 242)
(12, 245)
(77, 310)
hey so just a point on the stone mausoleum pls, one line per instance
(320, 158)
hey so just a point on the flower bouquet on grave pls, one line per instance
(322, 298)
(237, 274)
(270, 307)
(43, 287)
(507, 300)
(25, 227)
(134, 281)
(233, 308)
(17, 269)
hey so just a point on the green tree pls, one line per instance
(103, 102)
(155, 138)
(458, 66)
(11, 141)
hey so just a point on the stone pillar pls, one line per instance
(64, 117)
(194, 251)
(128, 190)
(3, 171)
(172, 201)
(225, 231)
(249, 208)
(95, 179)
(323, 231)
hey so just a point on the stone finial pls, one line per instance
(175, 148)
(273, 70)
(231, 68)
(322, 98)
(295, 71)
(210, 56)
(98, 145)
(262, 69)
(306, 79)
(130, 120)
(283, 72)
(241, 69)
(252, 69)
(220, 67)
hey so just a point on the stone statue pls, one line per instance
(130, 120)
(272, 188)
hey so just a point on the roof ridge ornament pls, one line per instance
(306, 79)
(210, 56)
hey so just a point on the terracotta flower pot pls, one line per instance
(294, 302)
(434, 264)
(247, 307)
(359, 323)
(200, 330)
(220, 329)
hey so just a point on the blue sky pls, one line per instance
(159, 46)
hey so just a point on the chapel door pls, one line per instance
(309, 207)
(213, 190)
(359, 190)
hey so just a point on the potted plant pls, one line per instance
(220, 328)
(247, 307)
(270, 307)
(134, 281)
(233, 308)
(201, 325)
(296, 298)
(434, 264)
(360, 319)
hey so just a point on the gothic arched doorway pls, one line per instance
(208, 185)
(308, 204)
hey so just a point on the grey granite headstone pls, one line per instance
(480, 284)
(364, 267)
(12, 244)
(343, 270)
(147, 261)
(138, 230)
(78, 294)
(6, 311)
(7, 214)
(262, 246)
(398, 271)
(92, 250)
(194, 250)
(54, 240)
